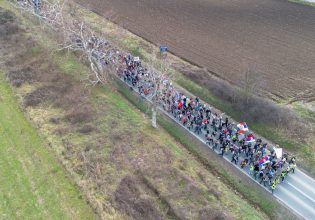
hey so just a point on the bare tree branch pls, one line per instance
(103, 58)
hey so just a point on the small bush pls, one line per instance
(79, 114)
(6, 17)
(211, 213)
(137, 52)
(129, 199)
(87, 128)
(38, 96)
(17, 78)
(8, 30)
(54, 120)
(7, 24)
(62, 131)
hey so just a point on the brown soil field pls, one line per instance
(274, 38)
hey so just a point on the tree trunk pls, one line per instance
(154, 117)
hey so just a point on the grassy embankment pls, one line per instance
(33, 184)
(139, 47)
(121, 165)
(303, 2)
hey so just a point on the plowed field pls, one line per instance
(275, 37)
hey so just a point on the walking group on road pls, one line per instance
(265, 163)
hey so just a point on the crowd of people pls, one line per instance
(222, 135)
(225, 137)
(262, 161)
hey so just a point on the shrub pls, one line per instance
(87, 128)
(137, 52)
(79, 114)
(38, 96)
(17, 78)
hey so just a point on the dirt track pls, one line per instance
(273, 37)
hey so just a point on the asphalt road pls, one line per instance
(297, 191)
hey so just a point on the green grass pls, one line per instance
(135, 49)
(35, 50)
(137, 52)
(69, 65)
(303, 112)
(177, 151)
(303, 2)
(33, 185)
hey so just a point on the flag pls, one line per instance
(241, 127)
(264, 160)
(250, 139)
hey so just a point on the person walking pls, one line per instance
(264, 180)
(251, 169)
(234, 158)
(256, 170)
(292, 167)
(215, 146)
(222, 151)
(273, 186)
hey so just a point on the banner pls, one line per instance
(242, 127)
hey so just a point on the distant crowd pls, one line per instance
(235, 141)
(223, 136)
(265, 163)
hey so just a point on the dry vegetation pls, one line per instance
(124, 168)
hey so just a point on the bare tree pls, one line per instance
(160, 82)
(48, 12)
(77, 36)
(250, 83)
